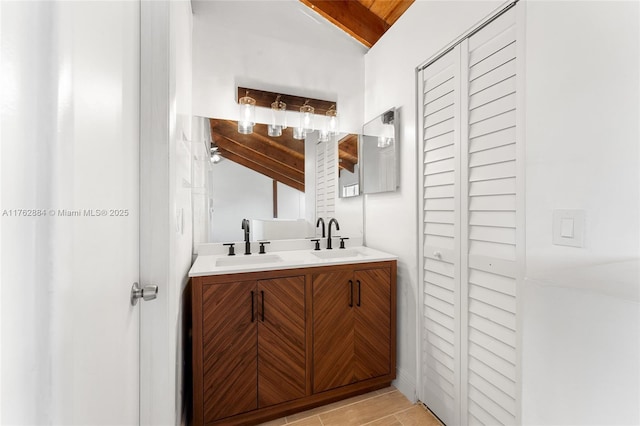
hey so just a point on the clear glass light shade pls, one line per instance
(386, 139)
(332, 122)
(306, 118)
(274, 130)
(299, 133)
(247, 114)
(323, 129)
(215, 155)
(279, 114)
(323, 136)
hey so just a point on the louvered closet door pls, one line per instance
(441, 237)
(469, 345)
(490, 270)
(326, 179)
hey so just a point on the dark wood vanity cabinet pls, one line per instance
(267, 344)
(351, 327)
(253, 345)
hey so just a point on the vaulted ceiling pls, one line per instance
(365, 20)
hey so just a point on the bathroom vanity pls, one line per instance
(282, 332)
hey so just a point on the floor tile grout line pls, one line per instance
(374, 394)
(355, 402)
(380, 418)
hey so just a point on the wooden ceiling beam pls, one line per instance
(401, 6)
(352, 17)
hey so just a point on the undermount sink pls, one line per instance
(336, 254)
(248, 260)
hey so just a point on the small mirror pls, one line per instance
(379, 153)
(348, 166)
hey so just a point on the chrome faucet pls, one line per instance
(247, 244)
(332, 221)
(321, 221)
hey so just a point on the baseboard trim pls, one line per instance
(406, 384)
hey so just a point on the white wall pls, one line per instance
(582, 129)
(581, 317)
(390, 81)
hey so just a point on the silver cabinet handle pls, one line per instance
(148, 292)
(437, 255)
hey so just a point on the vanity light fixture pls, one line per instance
(332, 120)
(306, 108)
(323, 130)
(215, 156)
(299, 133)
(306, 117)
(247, 114)
(323, 136)
(278, 118)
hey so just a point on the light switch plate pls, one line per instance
(568, 228)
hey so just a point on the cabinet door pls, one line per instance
(333, 336)
(372, 323)
(281, 340)
(229, 349)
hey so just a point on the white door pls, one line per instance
(440, 227)
(472, 228)
(69, 157)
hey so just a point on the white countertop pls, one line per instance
(217, 264)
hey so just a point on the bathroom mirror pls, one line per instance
(378, 152)
(271, 181)
(349, 166)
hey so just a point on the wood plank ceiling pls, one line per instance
(365, 20)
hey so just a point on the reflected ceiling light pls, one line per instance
(323, 131)
(215, 156)
(247, 114)
(278, 118)
(323, 136)
(299, 133)
(306, 117)
(332, 120)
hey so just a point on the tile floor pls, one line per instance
(385, 407)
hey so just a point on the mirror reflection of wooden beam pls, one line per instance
(282, 160)
(284, 178)
(348, 152)
(284, 148)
